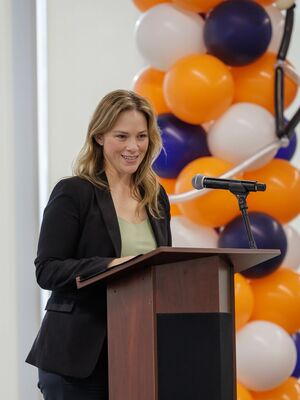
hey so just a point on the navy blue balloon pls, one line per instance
(237, 32)
(296, 339)
(182, 144)
(268, 233)
(287, 153)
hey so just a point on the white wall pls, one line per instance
(19, 296)
(91, 51)
(294, 56)
(8, 331)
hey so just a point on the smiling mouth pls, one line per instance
(130, 158)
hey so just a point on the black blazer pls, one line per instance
(79, 236)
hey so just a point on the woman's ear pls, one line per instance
(99, 139)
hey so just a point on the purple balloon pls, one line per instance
(296, 339)
(287, 153)
(268, 233)
(182, 143)
(237, 32)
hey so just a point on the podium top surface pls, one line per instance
(239, 259)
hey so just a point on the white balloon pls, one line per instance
(266, 355)
(284, 4)
(241, 132)
(187, 234)
(292, 257)
(166, 33)
(277, 21)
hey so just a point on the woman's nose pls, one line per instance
(132, 144)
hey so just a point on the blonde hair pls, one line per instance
(90, 161)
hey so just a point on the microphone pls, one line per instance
(200, 182)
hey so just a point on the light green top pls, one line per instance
(136, 238)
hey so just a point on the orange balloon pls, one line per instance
(169, 185)
(255, 83)
(144, 5)
(197, 5)
(289, 390)
(212, 209)
(198, 88)
(149, 83)
(242, 393)
(281, 199)
(277, 299)
(244, 300)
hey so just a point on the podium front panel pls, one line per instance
(200, 285)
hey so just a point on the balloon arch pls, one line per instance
(219, 81)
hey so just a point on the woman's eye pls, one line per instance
(121, 136)
(143, 136)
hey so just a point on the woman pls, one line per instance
(111, 210)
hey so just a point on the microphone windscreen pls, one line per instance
(197, 181)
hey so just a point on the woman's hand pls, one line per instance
(117, 261)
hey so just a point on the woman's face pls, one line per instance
(126, 144)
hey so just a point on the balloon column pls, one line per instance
(216, 78)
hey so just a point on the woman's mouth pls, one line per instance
(129, 158)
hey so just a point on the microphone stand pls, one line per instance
(241, 193)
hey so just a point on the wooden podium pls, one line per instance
(171, 332)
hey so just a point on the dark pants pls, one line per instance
(59, 387)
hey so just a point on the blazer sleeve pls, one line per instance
(56, 262)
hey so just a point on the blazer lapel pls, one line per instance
(108, 211)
